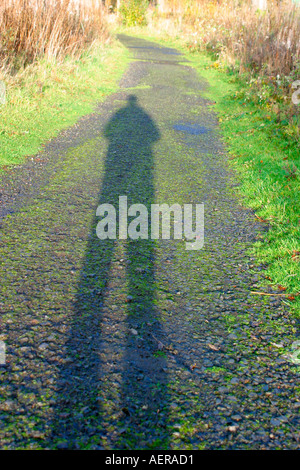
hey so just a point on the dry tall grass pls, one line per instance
(249, 38)
(30, 29)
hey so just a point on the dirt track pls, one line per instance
(125, 344)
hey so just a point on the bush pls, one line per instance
(133, 12)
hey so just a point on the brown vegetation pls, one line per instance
(246, 37)
(30, 29)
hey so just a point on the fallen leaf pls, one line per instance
(232, 428)
(277, 345)
(133, 331)
(213, 347)
(261, 219)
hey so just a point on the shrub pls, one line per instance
(133, 12)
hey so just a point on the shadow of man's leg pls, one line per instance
(115, 369)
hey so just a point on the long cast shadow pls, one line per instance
(112, 387)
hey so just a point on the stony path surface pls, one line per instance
(139, 344)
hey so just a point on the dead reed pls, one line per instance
(30, 29)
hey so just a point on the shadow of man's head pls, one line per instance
(132, 100)
(131, 128)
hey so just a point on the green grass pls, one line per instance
(48, 97)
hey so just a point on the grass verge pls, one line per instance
(268, 167)
(51, 95)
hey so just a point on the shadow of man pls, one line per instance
(112, 394)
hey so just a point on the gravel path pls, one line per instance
(139, 344)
